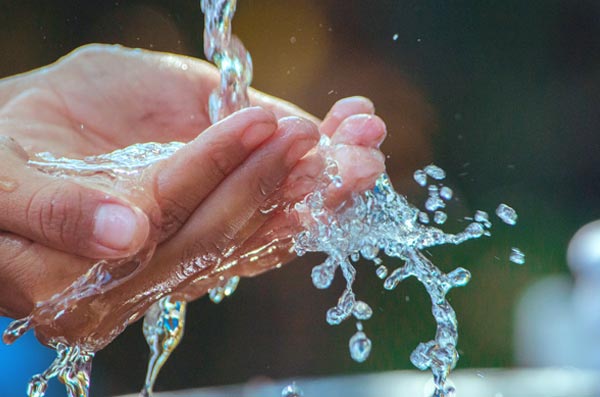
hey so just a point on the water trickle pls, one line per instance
(507, 214)
(292, 390)
(72, 367)
(235, 68)
(163, 329)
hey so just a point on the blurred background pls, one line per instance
(505, 96)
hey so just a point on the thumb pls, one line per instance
(64, 214)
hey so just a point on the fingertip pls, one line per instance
(361, 129)
(344, 108)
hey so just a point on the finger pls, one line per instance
(342, 109)
(214, 226)
(33, 272)
(278, 106)
(63, 214)
(186, 178)
(362, 130)
(358, 168)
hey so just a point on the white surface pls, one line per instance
(547, 382)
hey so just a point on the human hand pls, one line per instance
(168, 221)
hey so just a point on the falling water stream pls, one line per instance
(379, 222)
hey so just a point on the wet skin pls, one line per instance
(203, 202)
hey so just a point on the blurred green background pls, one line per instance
(504, 95)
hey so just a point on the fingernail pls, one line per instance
(361, 129)
(118, 227)
(257, 133)
(305, 134)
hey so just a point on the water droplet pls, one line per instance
(474, 230)
(322, 275)
(16, 329)
(216, 294)
(37, 386)
(517, 256)
(360, 347)
(440, 217)
(231, 285)
(362, 311)
(434, 203)
(507, 214)
(420, 177)
(381, 272)
(395, 36)
(8, 185)
(423, 217)
(335, 316)
(435, 172)
(481, 217)
(446, 193)
(459, 277)
(369, 252)
(292, 390)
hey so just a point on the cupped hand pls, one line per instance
(202, 203)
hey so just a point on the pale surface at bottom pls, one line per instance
(545, 382)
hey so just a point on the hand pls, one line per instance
(193, 228)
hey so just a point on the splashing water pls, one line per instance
(73, 363)
(163, 329)
(235, 67)
(381, 220)
(72, 367)
(292, 390)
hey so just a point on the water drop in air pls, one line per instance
(517, 256)
(360, 347)
(420, 177)
(507, 214)
(292, 390)
(435, 172)
(446, 193)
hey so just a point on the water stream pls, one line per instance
(374, 224)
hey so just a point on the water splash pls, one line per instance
(163, 329)
(292, 390)
(235, 68)
(381, 220)
(72, 367)
(507, 214)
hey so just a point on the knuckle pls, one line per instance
(174, 215)
(221, 163)
(55, 212)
